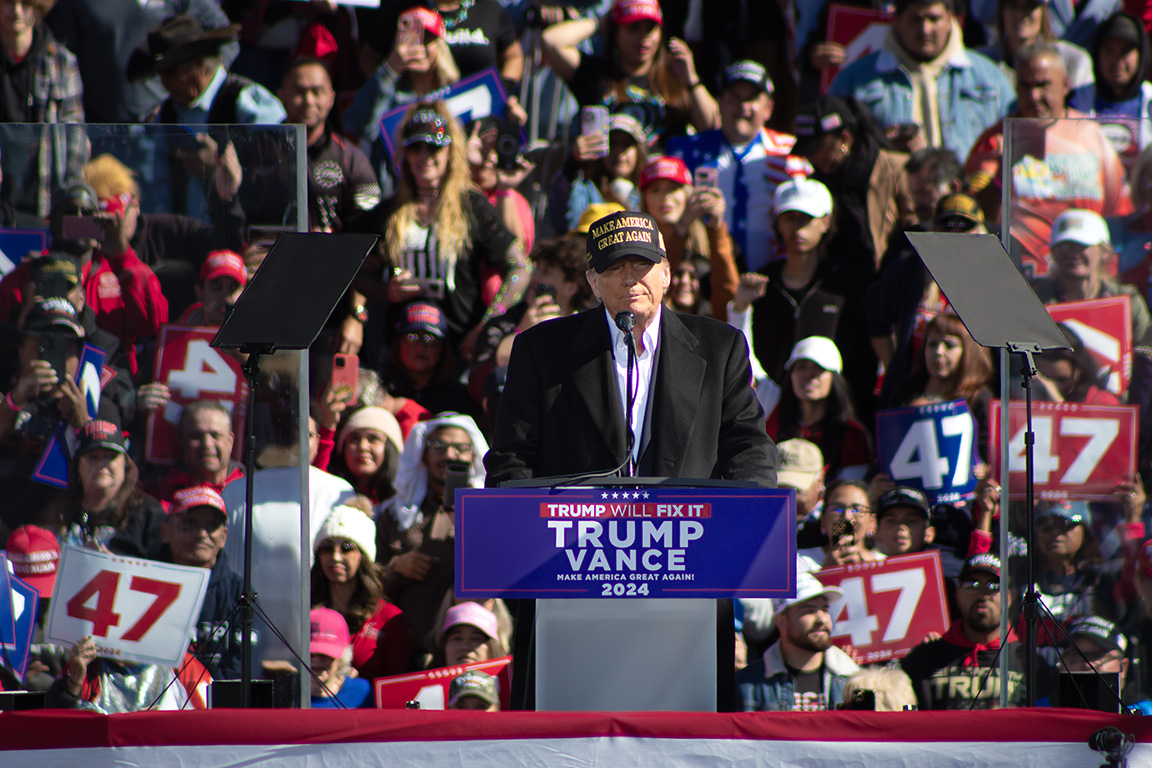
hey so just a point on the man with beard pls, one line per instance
(960, 670)
(802, 671)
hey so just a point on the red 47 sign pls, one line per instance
(193, 370)
(134, 609)
(888, 606)
(1105, 327)
(430, 687)
(1081, 451)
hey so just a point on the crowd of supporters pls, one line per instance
(151, 144)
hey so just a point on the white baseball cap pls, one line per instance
(807, 587)
(804, 195)
(820, 350)
(1079, 226)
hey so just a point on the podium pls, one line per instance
(624, 590)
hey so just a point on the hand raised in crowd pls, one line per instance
(1131, 497)
(541, 308)
(404, 56)
(39, 379)
(153, 397)
(987, 503)
(514, 112)
(590, 147)
(72, 403)
(331, 403)
(879, 484)
(351, 336)
(682, 61)
(403, 287)
(414, 565)
(751, 287)
(77, 668)
(513, 179)
(229, 174)
(827, 55)
(706, 204)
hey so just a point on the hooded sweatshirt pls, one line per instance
(950, 672)
(1125, 113)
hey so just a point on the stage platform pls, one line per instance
(299, 739)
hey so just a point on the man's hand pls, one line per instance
(229, 174)
(752, 286)
(38, 379)
(414, 565)
(706, 204)
(514, 111)
(590, 147)
(153, 397)
(77, 668)
(330, 404)
(72, 403)
(827, 55)
(1131, 497)
(541, 308)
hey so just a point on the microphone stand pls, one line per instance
(626, 321)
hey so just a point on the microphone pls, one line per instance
(626, 321)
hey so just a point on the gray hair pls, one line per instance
(1035, 50)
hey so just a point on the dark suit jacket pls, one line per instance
(560, 412)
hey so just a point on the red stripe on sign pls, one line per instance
(63, 730)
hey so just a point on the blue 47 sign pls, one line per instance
(930, 447)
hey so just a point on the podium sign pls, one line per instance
(625, 543)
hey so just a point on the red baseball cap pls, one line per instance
(197, 496)
(34, 554)
(329, 635)
(632, 11)
(665, 167)
(223, 264)
(427, 18)
(1144, 560)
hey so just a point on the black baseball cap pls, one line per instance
(750, 72)
(98, 434)
(985, 562)
(827, 114)
(623, 234)
(903, 496)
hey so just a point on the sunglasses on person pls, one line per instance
(443, 446)
(425, 338)
(958, 224)
(188, 524)
(1050, 523)
(984, 587)
(328, 547)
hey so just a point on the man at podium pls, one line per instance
(634, 389)
(693, 412)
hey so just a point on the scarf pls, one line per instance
(955, 635)
(923, 74)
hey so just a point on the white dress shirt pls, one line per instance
(642, 378)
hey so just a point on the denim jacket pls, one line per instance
(767, 685)
(972, 94)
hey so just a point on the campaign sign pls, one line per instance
(479, 95)
(888, 606)
(193, 370)
(1105, 327)
(1081, 451)
(24, 605)
(930, 447)
(142, 610)
(16, 244)
(860, 30)
(7, 609)
(430, 687)
(624, 542)
(52, 468)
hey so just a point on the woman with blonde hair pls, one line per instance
(420, 63)
(439, 233)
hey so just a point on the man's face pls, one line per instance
(1076, 260)
(207, 439)
(923, 29)
(1119, 63)
(444, 445)
(903, 530)
(1099, 656)
(216, 295)
(185, 82)
(1041, 87)
(978, 598)
(632, 284)
(926, 193)
(195, 536)
(307, 95)
(808, 625)
(744, 109)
